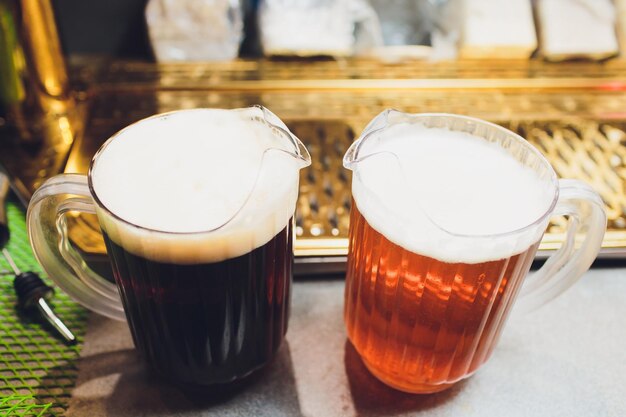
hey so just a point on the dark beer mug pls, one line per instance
(196, 210)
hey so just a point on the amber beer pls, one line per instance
(443, 230)
(418, 323)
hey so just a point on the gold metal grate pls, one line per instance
(323, 210)
(583, 149)
(590, 150)
(575, 113)
(580, 146)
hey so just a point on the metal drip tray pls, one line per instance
(574, 115)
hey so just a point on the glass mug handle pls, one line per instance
(47, 230)
(587, 216)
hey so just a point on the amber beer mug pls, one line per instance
(196, 210)
(448, 213)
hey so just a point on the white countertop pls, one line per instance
(566, 359)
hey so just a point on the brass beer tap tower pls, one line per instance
(37, 110)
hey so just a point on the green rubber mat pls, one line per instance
(37, 370)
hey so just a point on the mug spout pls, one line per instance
(292, 145)
(349, 159)
(276, 171)
(302, 157)
(353, 155)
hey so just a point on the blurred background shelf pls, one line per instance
(575, 113)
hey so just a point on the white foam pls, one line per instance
(190, 172)
(444, 184)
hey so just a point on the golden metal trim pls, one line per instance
(545, 84)
(44, 46)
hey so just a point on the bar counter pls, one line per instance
(565, 359)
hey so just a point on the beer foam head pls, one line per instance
(451, 195)
(196, 186)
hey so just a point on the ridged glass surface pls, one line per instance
(420, 324)
(207, 323)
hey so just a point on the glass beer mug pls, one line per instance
(448, 212)
(196, 210)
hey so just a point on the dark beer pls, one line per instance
(196, 208)
(207, 323)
